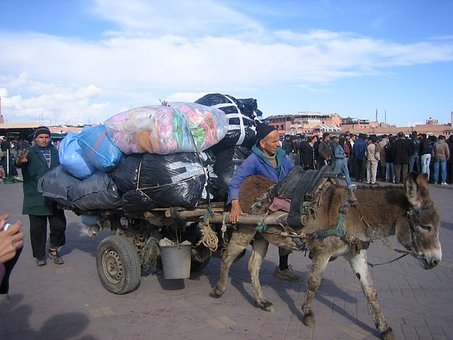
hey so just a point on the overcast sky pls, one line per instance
(82, 61)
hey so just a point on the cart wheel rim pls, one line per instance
(112, 266)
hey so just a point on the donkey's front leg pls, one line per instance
(239, 240)
(259, 251)
(317, 269)
(360, 267)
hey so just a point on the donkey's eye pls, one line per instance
(426, 228)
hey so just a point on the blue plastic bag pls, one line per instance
(71, 157)
(98, 149)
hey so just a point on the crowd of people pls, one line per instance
(9, 149)
(373, 158)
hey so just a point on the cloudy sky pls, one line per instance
(82, 61)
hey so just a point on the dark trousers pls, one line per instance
(401, 171)
(38, 232)
(359, 170)
(9, 265)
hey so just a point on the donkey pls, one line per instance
(407, 211)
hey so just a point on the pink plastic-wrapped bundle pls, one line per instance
(179, 127)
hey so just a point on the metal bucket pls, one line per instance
(176, 261)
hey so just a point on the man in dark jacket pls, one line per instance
(307, 153)
(401, 155)
(35, 162)
(325, 150)
(414, 159)
(287, 144)
(359, 154)
(425, 154)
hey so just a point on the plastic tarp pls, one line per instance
(173, 128)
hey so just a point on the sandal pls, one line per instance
(53, 254)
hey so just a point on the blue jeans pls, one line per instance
(426, 160)
(390, 172)
(414, 163)
(442, 164)
(341, 168)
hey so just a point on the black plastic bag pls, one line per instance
(175, 180)
(97, 192)
(241, 114)
(227, 162)
(125, 175)
(57, 185)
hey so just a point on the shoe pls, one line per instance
(41, 262)
(287, 274)
(443, 183)
(53, 254)
(374, 183)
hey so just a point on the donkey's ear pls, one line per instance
(411, 188)
(423, 191)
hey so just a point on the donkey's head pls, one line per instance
(422, 235)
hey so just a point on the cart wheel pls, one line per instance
(118, 265)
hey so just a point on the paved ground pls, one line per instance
(68, 302)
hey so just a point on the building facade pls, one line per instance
(316, 123)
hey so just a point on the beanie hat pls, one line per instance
(42, 130)
(262, 130)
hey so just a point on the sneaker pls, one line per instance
(443, 183)
(41, 261)
(53, 254)
(286, 274)
(374, 183)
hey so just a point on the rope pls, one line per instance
(209, 238)
(372, 265)
(389, 246)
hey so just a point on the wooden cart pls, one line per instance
(133, 250)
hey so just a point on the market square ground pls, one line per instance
(69, 302)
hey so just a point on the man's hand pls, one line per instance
(22, 157)
(235, 212)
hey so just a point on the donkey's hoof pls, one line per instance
(309, 319)
(266, 306)
(388, 334)
(216, 293)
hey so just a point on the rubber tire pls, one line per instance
(118, 265)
